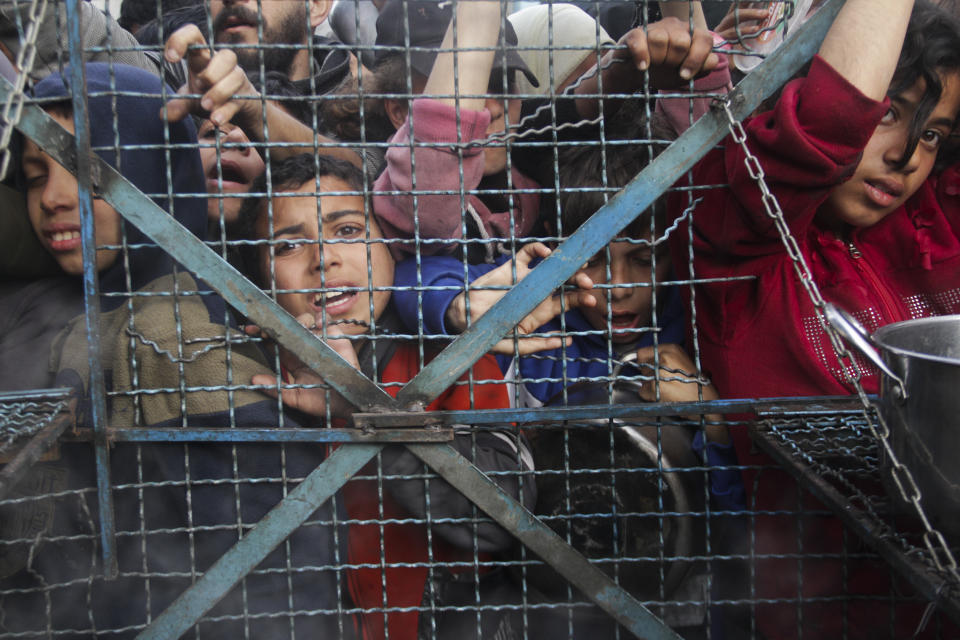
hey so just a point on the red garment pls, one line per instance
(760, 338)
(438, 168)
(405, 542)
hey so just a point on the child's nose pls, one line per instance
(237, 136)
(619, 276)
(895, 151)
(59, 192)
(495, 107)
(328, 254)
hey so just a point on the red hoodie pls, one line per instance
(404, 545)
(761, 338)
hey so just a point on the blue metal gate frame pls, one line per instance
(74, 153)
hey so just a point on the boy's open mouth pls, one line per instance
(334, 302)
(231, 174)
(624, 320)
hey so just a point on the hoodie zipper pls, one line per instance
(888, 305)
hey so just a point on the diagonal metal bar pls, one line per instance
(610, 219)
(250, 551)
(543, 541)
(193, 254)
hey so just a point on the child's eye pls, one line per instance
(595, 261)
(349, 231)
(932, 138)
(889, 117)
(36, 181)
(285, 247)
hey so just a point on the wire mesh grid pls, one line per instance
(204, 474)
(843, 464)
(22, 417)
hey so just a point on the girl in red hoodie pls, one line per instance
(849, 151)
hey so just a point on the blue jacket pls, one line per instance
(543, 376)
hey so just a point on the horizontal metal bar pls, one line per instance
(273, 435)
(610, 219)
(814, 405)
(543, 541)
(193, 254)
(250, 551)
(876, 534)
(39, 444)
(36, 395)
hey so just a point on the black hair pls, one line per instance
(931, 49)
(631, 142)
(287, 175)
(390, 80)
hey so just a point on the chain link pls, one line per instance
(940, 553)
(13, 108)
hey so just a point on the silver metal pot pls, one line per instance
(920, 401)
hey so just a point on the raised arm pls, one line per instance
(228, 95)
(477, 27)
(436, 121)
(864, 42)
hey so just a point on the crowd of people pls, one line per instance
(388, 183)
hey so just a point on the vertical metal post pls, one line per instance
(91, 289)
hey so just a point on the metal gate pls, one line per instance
(826, 443)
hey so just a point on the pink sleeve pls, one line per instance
(438, 168)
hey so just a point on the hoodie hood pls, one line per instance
(159, 158)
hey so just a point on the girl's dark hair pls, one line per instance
(931, 49)
(287, 175)
(631, 142)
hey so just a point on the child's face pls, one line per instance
(878, 187)
(238, 167)
(495, 156)
(53, 204)
(334, 273)
(630, 307)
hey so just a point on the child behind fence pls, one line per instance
(168, 353)
(622, 325)
(451, 175)
(333, 270)
(850, 152)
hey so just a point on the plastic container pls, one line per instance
(784, 18)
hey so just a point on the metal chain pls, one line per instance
(942, 557)
(13, 108)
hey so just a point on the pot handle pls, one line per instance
(855, 334)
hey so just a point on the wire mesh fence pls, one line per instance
(358, 324)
